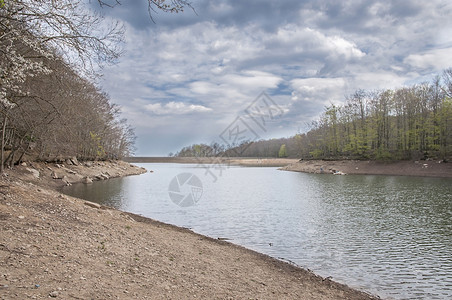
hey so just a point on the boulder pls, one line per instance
(55, 175)
(101, 176)
(87, 180)
(74, 161)
(92, 204)
(71, 171)
(34, 172)
(65, 179)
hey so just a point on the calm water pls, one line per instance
(391, 236)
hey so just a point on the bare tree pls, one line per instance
(33, 35)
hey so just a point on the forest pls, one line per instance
(412, 122)
(51, 56)
(52, 53)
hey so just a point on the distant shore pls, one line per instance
(58, 246)
(236, 161)
(398, 168)
(429, 168)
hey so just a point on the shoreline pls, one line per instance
(55, 245)
(430, 168)
(234, 161)
(54, 175)
(358, 167)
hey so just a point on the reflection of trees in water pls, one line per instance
(106, 192)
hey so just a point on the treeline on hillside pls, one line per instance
(49, 107)
(283, 147)
(406, 123)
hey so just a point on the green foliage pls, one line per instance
(98, 148)
(407, 123)
(316, 154)
(282, 151)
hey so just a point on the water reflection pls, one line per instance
(387, 235)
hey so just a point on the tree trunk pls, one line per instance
(3, 144)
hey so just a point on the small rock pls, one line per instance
(65, 179)
(55, 175)
(87, 180)
(24, 164)
(68, 162)
(88, 164)
(53, 294)
(74, 161)
(21, 217)
(34, 172)
(92, 204)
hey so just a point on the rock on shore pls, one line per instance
(399, 168)
(55, 175)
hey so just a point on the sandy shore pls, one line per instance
(52, 245)
(399, 168)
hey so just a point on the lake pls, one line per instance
(387, 235)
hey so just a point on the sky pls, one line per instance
(198, 76)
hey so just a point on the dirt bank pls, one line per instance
(399, 168)
(235, 161)
(55, 175)
(57, 246)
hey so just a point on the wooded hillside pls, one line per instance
(405, 123)
(51, 53)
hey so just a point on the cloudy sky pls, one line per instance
(187, 77)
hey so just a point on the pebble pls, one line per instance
(53, 294)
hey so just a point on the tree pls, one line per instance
(64, 37)
(282, 151)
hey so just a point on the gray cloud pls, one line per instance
(186, 77)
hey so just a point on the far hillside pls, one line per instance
(412, 122)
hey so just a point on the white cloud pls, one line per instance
(436, 59)
(320, 90)
(175, 108)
